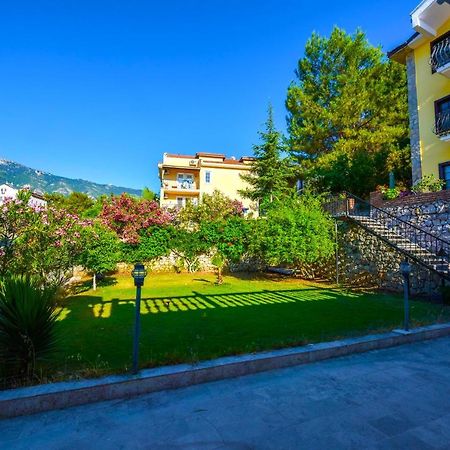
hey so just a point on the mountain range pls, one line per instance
(18, 175)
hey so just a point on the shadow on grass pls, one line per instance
(216, 325)
(206, 301)
(86, 285)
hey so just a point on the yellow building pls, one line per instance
(186, 178)
(427, 57)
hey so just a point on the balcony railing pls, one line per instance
(179, 185)
(440, 54)
(442, 124)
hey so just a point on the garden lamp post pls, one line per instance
(405, 268)
(138, 273)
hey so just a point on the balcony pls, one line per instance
(440, 56)
(185, 186)
(442, 126)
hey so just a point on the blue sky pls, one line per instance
(100, 89)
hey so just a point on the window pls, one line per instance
(185, 181)
(180, 202)
(444, 174)
(208, 176)
(442, 117)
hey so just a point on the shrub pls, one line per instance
(101, 251)
(296, 232)
(128, 216)
(428, 183)
(153, 243)
(188, 246)
(43, 242)
(390, 193)
(27, 324)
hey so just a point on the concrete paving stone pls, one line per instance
(392, 425)
(393, 398)
(434, 433)
(405, 441)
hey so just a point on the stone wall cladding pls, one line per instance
(366, 261)
(168, 263)
(416, 160)
(430, 211)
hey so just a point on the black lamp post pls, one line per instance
(138, 273)
(405, 268)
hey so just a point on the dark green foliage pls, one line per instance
(27, 324)
(75, 203)
(94, 211)
(229, 237)
(212, 208)
(272, 175)
(348, 117)
(147, 194)
(154, 242)
(101, 250)
(189, 246)
(295, 233)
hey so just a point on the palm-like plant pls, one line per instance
(218, 260)
(27, 323)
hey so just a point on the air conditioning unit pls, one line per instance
(192, 162)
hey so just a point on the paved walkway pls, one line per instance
(395, 398)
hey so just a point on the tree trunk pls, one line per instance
(219, 275)
(94, 282)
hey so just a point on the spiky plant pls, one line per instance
(27, 324)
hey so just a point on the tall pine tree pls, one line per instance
(347, 114)
(271, 176)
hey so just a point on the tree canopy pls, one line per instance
(347, 114)
(272, 175)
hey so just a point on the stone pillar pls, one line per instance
(416, 161)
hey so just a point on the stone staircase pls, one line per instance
(405, 245)
(416, 244)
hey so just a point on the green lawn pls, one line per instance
(186, 318)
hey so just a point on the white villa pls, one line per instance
(7, 191)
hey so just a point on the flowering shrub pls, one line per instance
(44, 242)
(127, 216)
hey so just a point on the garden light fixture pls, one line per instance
(405, 268)
(138, 273)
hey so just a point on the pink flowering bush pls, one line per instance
(43, 242)
(128, 216)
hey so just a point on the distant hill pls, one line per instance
(19, 175)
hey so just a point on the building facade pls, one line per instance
(9, 192)
(187, 178)
(426, 55)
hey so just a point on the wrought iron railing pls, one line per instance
(185, 184)
(442, 124)
(422, 246)
(440, 54)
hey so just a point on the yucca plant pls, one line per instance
(28, 315)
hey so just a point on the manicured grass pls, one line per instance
(186, 318)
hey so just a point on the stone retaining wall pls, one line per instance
(430, 211)
(366, 261)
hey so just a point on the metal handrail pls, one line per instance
(372, 206)
(440, 54)
(442, 124)
(425, 248)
